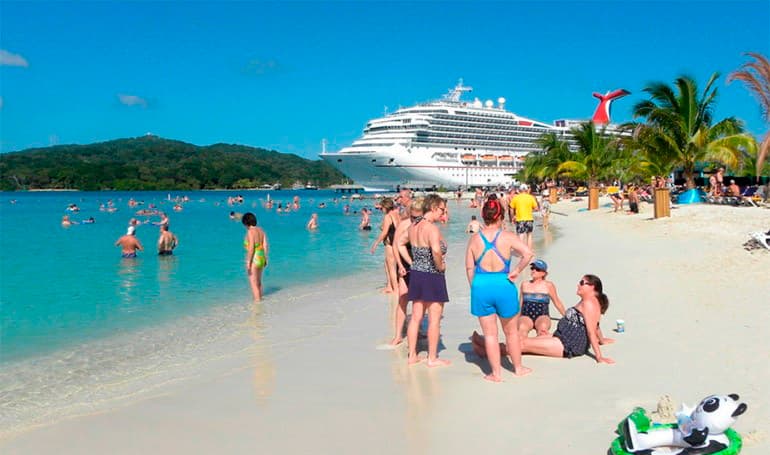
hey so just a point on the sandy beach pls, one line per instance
(314, 381)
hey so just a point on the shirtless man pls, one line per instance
(129, 243)
(167, 241)
(474, 226)
(734, 190)
(312, 224)
(365, 220)
(404, 202)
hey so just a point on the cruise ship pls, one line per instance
(449, 142)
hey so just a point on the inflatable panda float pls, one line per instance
(703, 430)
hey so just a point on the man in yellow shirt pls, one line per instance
(523, 204)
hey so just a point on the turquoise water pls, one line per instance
(60, 287)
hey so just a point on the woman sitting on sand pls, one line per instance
(536, 297)
(493, 292)
(576, 331)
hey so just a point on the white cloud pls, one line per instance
(261, 67)
(132, 100)
(10, 59)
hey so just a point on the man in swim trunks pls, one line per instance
(167, 241)
(523, 205)
(129, 243)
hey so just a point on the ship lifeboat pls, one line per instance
(488, 159)
(468, 158)
(505, 160)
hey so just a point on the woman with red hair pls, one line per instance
(493, 292)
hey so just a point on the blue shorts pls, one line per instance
(494, 293)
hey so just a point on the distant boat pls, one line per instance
(310, 186)
(267, 186)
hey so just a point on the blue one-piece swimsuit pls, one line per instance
(493, 292)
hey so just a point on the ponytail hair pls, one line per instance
(492, 210)
(604, 301)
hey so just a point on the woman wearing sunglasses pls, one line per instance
(536, 297)
(576, 331)
(427, 283)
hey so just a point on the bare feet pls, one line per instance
(493, 378)
(414, 360)
(396, 341)
(522, 371)
(438, 363)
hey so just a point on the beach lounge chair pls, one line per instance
(581, 191)
(763, 238)
(747, 196)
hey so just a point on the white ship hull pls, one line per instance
(449, 143)
(386, 168)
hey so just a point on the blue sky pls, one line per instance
(286, 75)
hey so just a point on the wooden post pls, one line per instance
(662, 201)
(593, 198)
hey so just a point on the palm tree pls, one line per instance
(595, 155)
(756, 76)
(679, 126)
(539, 166)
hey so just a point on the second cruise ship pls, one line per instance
(449, 143)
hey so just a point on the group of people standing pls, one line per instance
(416, 249)
(130, 244)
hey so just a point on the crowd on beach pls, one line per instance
(496, 256)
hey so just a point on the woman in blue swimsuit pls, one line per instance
(536, 297)
(493, 292)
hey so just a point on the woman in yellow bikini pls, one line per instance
(255, 243)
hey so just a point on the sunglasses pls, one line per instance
(532, 267)
(585, 283)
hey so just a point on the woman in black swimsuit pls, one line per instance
(577, 330)
(404, 265)
(387, 230)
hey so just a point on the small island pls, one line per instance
(154, 163)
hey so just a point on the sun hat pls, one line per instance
(540, 265)
(131, 230)
(524, 187)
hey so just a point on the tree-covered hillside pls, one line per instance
(153, 163)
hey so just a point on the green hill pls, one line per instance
(154, 163)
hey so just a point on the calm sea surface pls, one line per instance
(64, 286)
(82, 329)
